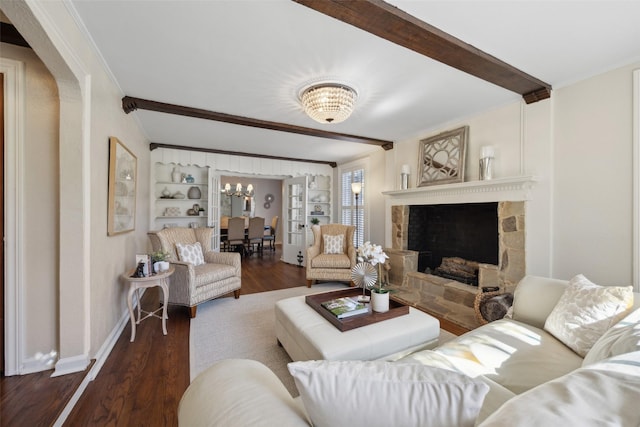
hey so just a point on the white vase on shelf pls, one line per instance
(176, 175)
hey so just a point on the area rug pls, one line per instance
(244, 328)
(227, 328)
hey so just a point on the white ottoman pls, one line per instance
(306, 335)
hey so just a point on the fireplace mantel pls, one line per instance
(495, 190)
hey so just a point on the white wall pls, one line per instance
(593, 178)
(91, 300)
(41, 207)
(579, 146)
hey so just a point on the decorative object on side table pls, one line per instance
(160, 260)
(370, 255)
(442, 157)
(315, 221)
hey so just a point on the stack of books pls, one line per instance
(345, 307)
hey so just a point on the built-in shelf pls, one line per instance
(502, 189)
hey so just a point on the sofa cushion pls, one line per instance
(331, 261)
(513, 354)
(544, 291)
(333, 244)
(602, 394)
(495, 397)
(585, 311)
(623, 337)
(191, 253)
(377, 393)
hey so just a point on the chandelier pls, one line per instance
(239, 191)
(328, 102)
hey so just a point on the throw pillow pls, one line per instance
(379, 393)
(623, 337)
(333, 244)
(190, 253)
(585, 311)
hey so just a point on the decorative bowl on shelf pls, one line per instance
(178, 195)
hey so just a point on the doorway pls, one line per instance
(266, 201)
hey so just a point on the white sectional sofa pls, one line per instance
(511, 372)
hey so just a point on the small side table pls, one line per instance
(137, 283)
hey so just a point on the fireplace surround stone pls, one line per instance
(448, 299)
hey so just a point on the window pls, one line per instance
(352, 213)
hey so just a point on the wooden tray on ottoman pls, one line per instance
(395, 309)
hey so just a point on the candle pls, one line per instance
(486, 151)
(405, 169)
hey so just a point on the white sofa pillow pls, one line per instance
(378, 393)
(623, 337)
(585, 311)
(190, 253)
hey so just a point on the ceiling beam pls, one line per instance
(130, 104)
(155, 145)
(392, 24)
(10, 34)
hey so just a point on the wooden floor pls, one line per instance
(141, 383)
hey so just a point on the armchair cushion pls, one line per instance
(331, 261)
(191, 253)
(333, 244)
(208, 273)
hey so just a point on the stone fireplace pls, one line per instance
(511, 248)
(448, 299)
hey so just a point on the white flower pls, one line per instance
(371, 253)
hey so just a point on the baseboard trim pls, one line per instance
(71, 365)
(101, 357)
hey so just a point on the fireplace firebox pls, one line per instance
(468, 231)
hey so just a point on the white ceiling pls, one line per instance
(250, 58)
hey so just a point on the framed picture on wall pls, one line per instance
(121, 215)
(442, 157)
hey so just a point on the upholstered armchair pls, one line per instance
(192, 284)
(325, 259)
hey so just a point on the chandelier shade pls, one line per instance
(238, 191)
(328, 102)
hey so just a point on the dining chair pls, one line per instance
(255, 235)
(224, 230)
(271, 237)
(235, 234)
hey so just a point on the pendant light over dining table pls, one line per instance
(328, 102)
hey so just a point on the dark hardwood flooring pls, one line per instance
(141, 383)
